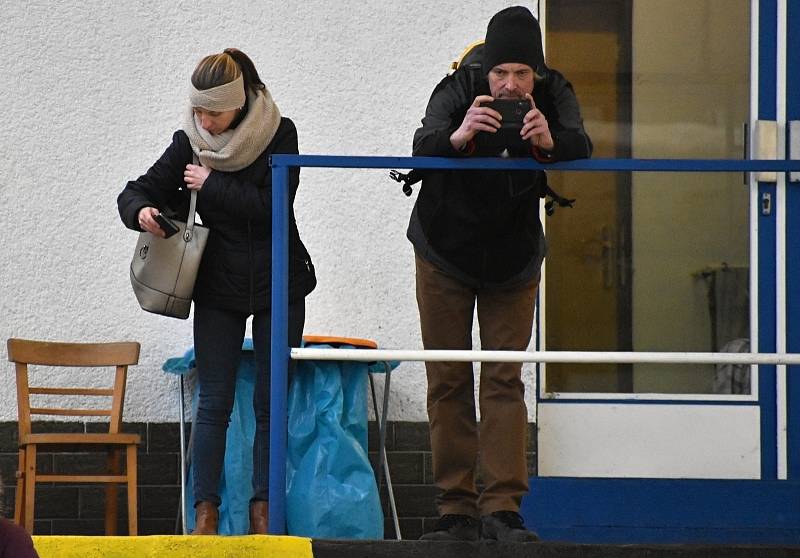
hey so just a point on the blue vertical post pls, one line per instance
(279, 363)
(793, 246)
(767, 334)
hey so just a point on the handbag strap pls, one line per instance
(187, 234)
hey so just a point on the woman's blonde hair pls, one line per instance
(218, 69)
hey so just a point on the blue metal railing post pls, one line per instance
(280, 255)
(279, 362)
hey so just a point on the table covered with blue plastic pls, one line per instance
(331, 490)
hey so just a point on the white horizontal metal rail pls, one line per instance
(596, 357)
(281, 163)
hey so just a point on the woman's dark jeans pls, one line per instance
(218, 336)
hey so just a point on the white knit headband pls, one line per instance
(221, 98)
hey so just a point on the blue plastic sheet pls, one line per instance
(331, 489)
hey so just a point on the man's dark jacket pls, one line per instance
(483, 227)
(235, 273)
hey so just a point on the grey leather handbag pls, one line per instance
(163, 270)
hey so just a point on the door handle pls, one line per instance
(607, 254)
(746, 149)
(602, 249)
(622, 261)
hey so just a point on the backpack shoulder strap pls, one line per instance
(470, 62)
(471, 55)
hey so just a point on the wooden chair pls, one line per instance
(119, 355)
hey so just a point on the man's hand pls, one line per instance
(195, 176)
(147, 223)
(535, 128)
(477, 119)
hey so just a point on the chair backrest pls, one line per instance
(25, 352)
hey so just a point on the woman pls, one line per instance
(231, 127)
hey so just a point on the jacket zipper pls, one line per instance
(485, 251)
(482, 280)
(250, 265)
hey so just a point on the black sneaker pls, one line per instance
(453, 527)
(506, 526)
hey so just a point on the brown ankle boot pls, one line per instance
(206, 519)
(259, 517)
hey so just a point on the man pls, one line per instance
(478, 238)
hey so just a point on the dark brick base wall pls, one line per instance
(79, 509)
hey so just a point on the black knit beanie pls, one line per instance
(513, 35)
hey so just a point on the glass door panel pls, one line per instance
(651, 261)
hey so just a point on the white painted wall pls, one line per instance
(92, 92)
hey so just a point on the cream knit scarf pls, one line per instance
(236, 149)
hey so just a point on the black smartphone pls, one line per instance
(166, 225)
(513, 111)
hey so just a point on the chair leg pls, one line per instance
(30, 487)
(133, 524)
(112, 498)
(19, 497)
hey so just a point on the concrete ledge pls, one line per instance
(425, 549)
(297, 547)
(173, 546)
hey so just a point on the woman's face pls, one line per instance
(215, 122)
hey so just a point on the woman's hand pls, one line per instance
(147, 223)
(195, 176)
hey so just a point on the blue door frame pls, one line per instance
(765, 511)
(793, 247)
(767, 237)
